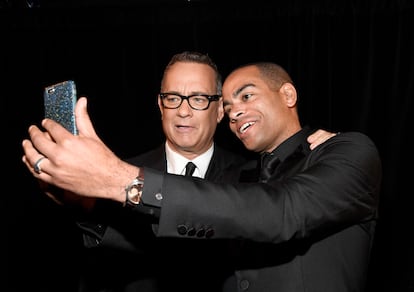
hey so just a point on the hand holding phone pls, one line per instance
(59, 102)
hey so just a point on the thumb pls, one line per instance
(83, 121)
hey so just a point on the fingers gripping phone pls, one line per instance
(60, 100)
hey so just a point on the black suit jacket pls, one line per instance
(124, 254)
(309, 228)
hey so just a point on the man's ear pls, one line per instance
(290, 94)
(160, 106)
(220, 110)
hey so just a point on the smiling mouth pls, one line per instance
(245, 126)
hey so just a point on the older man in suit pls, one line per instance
(191, 107)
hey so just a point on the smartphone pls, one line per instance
(60, 100)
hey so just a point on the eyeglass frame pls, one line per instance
(214, 97)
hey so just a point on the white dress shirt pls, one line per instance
(176, 162)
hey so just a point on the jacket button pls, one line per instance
(244, 284)
(209, 233)
(201, 232)
(182, 229)
(191, 231)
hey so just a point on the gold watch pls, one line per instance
(133, 192)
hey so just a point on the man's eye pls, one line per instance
(246, 96)
(199, 99)
(172, 98)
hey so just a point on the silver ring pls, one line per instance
(37, 167)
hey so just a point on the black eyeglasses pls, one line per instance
(198, 102)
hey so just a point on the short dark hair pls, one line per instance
(274, 74)
(196, 57)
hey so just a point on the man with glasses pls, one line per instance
(124, 254)
(189, 123)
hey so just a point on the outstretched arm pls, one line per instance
(81, 164)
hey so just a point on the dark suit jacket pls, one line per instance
(309, 228)
(125, 255)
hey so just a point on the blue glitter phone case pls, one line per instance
(60, 100)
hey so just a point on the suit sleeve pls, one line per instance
(336, 186)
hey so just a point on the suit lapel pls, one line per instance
(155, 159)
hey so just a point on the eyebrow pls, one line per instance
(237, 92)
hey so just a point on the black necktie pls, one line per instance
(189, 169)
(269, 162)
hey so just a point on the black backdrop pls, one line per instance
(352, 62)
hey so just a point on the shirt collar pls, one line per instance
(176, 162)
(297, 142)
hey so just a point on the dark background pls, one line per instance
(352, 62)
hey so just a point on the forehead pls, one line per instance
(242, 74)
(189, 73)
(240, 78)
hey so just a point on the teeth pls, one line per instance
(244, 127)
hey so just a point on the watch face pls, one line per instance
(134, 194)
(134, 191)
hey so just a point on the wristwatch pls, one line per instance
(133, 192)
